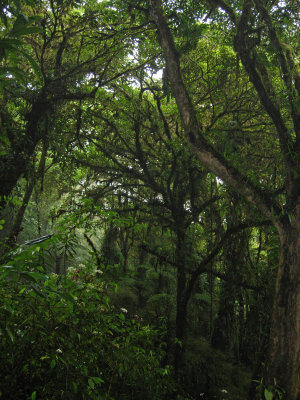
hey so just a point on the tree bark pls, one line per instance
(282, 366)
(181, 304)
(16, 163)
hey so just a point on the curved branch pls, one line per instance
(214, 161)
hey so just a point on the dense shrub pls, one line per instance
(61, 338)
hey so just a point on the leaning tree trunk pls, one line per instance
(283, 360)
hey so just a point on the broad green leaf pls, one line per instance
(122, 316)
(91, 383)
(20, 22)
(268, 394)
(27, 31)
(10, 43)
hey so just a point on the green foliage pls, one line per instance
(60, 338)
(13, 47)
(271, 392)
(118, 171)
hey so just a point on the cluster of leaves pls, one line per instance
(61, 338)
(12, 46)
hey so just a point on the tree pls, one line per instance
(256, 26)
(134, 151)
(78, 51)
(112, 133)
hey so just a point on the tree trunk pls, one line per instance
(16, 228)
(181, 304)
(181, 311)
(15, 164)
(282, 368)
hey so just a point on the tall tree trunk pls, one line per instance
(181, 304)
(15, 164)
(282, 367)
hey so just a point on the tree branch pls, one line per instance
(214, 161)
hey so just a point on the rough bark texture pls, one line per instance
(282, 367)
